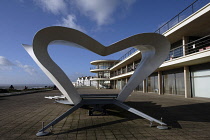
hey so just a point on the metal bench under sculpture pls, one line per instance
(154, 49)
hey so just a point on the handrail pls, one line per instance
(192, 9)
(191, 47)
(130, 52)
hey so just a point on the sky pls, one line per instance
(107, 21)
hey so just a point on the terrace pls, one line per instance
(22, 116)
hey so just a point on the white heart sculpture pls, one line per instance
(154, 49)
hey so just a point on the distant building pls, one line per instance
(102, 70)
(86, 81)
(185, 72)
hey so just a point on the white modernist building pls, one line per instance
(186, 71)
(102, 70)
(86, 81)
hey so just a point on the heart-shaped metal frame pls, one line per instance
(154, 49)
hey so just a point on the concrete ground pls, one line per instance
(189, 119)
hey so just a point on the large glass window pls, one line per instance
(123, 83)
(100, 74)
(180, 89)
(130, 68)
(104, 65)
(139, 87)
(106, 74)
(169, 84)
(200, 76)
(152, 83)
(123, 70)
(173, 82)
(118, 84)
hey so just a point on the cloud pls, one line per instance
(52, 6)
(70, 21)
(5, 64)
(27, 68)
(101, 11)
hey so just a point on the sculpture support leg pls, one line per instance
(141, 114)
(88, 102)
(67, 113)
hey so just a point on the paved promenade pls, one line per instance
(188, 119)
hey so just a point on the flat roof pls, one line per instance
(95, 62)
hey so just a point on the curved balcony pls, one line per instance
(96, 69)
(101, 78)
(96, 62)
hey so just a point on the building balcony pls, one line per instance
(102, 65)
(136, 55)
(96, 70)
(124, 75)
(96, 62)
(199, 57)
(100, 79)
(195, 52)
(197, 24)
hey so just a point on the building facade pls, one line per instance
(186, 71)
(85, 81)
(102, 70)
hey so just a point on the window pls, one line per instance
(173, 82)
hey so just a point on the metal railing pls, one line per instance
(101, 67)
(191, 47)
(102, 76)
(175, 53)
(192, 8)
(130, 52)
(198, 45)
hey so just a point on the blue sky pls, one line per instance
(107, 21)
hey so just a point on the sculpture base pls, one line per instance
(99, 103)
(42, 133)
(162, 127)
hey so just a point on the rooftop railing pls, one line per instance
(192, 8)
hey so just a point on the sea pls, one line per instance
(22, 86)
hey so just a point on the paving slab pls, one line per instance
(188, 119)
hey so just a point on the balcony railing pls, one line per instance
(192, 47)
(102, 77)
(192, 8)
(189, 48)
(198, 45)
(130, 52)
(101, 67)
(124, 70)
(175, 53)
